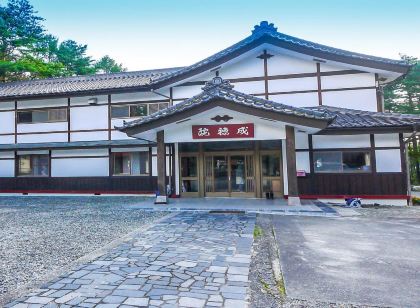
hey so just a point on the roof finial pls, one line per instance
(264, 27)
(217, 83)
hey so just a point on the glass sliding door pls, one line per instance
(189, 175)
(271, 170)
(229, 175)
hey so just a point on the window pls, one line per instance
(137, 110)
(270, 165)
(42, 116)
(342, 161)
(131, 163)
(33, 165)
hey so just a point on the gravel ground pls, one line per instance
(390, 211)
(43, 235)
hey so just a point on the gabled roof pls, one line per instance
(222, 90)
(357, 119)
(153, 79)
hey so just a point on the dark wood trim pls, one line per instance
(161, 162)
(372, 153)
(110, 162)
(6, 158)
(311, 154)
(268, 114)
(109, 118)
(265, 56)
(291, 162)
(402, 151)
(150, 161)
(171, 96)
(68, 120)
(379, 95)
(347, 149)
(16, 164)
(173, 178)
(79, 156)
(16, 122)
(318, 78)
(49, 163)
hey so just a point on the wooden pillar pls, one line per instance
(293, 195)
(161, 162)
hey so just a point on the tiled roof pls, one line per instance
(72, 145)
(222, 89)
(76, 84)
(262, 33)
(350, 118)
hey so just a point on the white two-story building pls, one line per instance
(271, 114)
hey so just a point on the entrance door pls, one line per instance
(229, 175)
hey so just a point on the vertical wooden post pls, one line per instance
(257, 169)
(161, 162)
(318, 78)
(293, 195)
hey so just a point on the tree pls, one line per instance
(403, 95)
(108, 65)
(73, 57)
(28, 52)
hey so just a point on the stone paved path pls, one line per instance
(188, 260)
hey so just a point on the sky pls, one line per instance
(149, 34)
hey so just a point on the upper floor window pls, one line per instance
(33, 165)
(137, 110)
(342, 161)
(131, 163)
(42, 116)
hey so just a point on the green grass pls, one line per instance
(258, 232)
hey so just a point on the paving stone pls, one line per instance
(191, 302)
(232, 303)
(190, 260)
(39, 300)
(137, 301)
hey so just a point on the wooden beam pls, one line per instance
(161, 162)
(291, 162)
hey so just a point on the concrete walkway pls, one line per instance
(249, 205)
(192, 259)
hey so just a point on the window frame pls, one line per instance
(18, 174)
(134, 104)
(342, 151)
(114, 156)
(48, 110)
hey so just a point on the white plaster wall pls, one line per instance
(293, 84)
(297, 100)
(186, 91)
(154, 166)
(53, 102)
(348, 81)
(388, 160)
(42, 127)
(340, 141)
(284, 161)
(250, 66)
(7, 155)
(302, 161)
(301, 140)
(83, 100)
(7, 139)
(35, 138)
(81, 152)
(250, 87)
(283, 64)
(30, 152)
(71, 167)
(7, 122)
(7, 105)
(138, 96)
(92, 117)
(7, 168)
(117, 135)
(331, 67)
(136, 149)
(387, 140)
(88, 136)
(353, 99)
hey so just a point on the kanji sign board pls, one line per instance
(223, 131)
